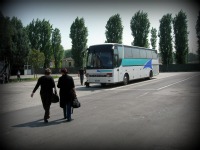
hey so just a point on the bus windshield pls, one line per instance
(100, 57)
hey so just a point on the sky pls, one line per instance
(61, 14)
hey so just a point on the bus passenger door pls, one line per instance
(116, 65)
(118, 55)
(116, 69)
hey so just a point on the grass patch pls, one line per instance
(23, 79)
(29, 79)
(55, 77)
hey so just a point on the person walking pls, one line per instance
(81, 75)
(18, 75)
(47, 84)
(67, 91)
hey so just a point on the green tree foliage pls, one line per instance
(140, 29)
(78, 34)
(198, 35)
(6, 32)
(20, 43)
(14, 46)
(165, 43)
(34, 29)
(60, 56)
(56, 49)
(67, 53)
(114, 29)
(36, 59)
(46, 30)
(40, 38)
(153, 38)
(181, 38)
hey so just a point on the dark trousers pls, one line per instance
(18, 78)
(81, 79)
(67, 111)
(46, 102)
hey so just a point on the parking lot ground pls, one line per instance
(158, 114)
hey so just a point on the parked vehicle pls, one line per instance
(111, 63)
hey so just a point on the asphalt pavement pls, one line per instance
(158, 114)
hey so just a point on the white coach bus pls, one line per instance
(113, 63)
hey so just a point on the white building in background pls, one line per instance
(68, 62)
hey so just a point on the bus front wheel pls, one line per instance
(125, 80)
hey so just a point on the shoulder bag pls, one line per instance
(55, 97)
(76, 103)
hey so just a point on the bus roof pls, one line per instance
(106, 44)
(123, 45)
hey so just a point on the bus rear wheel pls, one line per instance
(125, 80)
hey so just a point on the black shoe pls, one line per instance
(45, 121)
(68, 120)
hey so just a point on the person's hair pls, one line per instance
(63, 70)
(47, 71)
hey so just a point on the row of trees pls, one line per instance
(14, 43)
(140, 27)
(47, 40)
(21, 44)
(37, 43)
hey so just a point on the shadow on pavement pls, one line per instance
(40, 123)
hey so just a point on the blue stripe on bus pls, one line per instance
(147, 63)
(134, 62)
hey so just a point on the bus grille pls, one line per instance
(98, 75)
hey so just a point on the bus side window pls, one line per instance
(120, 55)
(143, 53)
(149, 54)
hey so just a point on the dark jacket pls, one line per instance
(47, 84)
(66, 85)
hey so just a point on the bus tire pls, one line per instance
(103, 84)
(125, 79)
(150, 75)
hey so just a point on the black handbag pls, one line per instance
(55, 98)
(76, 103)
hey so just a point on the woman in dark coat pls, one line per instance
(47, 84)
(66, 85)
